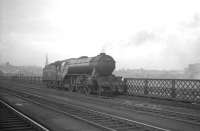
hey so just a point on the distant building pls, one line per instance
(1, 73)
(157, 74)
(193, 71)
(11, 70)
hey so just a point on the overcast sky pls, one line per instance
(152, 34)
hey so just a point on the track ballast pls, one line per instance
(100, 119)
(13, 120)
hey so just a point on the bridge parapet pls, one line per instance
(175, 89)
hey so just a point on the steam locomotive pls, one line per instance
(84, 75)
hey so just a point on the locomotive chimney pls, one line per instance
(102, 53)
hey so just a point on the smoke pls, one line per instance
(165, 48)
(194, 23)
(106, 47)
(103, 49)
(142, 37)
(30, 29)
(184, 45)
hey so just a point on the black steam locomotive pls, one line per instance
(85, 75)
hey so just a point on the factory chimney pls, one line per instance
(47, 61)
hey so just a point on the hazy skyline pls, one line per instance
(152, 34)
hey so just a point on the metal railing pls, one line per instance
(27, 79)
(175, 89)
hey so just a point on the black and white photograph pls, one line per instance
(99, 65)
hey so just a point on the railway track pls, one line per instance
(13, 120)
(162, 112)
(102, 120)
(180, 116)
(165, 113)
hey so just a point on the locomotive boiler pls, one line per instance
(85, 75)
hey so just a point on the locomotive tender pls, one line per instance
(84, 75)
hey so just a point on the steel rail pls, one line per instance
(14, 120)
(164, 113)
(110, 122)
